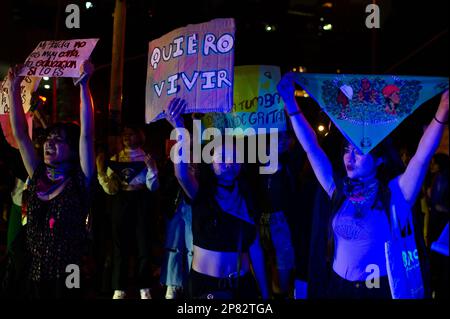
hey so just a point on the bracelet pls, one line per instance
(295, 113)
(443, 123)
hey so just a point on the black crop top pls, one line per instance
(214, 229)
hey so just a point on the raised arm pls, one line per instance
(411, 180)
(18, 121)
(186, 177)
(320, 163)
(87, 154)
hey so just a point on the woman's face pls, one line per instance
(358, 165)
(130, 138)
(56, 149)
(227, 170)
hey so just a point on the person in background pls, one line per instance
(438, 195)
(438, 199)
(278, 199)
(130, 175)
(177, 259)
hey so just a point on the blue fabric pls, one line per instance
(366, 108)
(179, 247)
(276, 236)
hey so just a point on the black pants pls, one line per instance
(131, 223)
(201, 285)
(340, 288)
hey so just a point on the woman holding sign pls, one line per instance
(362, 204)
(130, 176)
(226, 241)
(57, 204)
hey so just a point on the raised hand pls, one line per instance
(286, 88)
(174, 112)
(86, 71)
(14, 78)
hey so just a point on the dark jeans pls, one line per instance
(131, 219)
(340, 288)
(200, 285)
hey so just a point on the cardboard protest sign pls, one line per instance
(28, 86)
(194, 63)
(61, 58)
(367, 108)
(257, 103)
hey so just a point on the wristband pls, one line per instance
(440, 122)
(295, 113)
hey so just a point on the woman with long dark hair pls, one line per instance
(361, 203)
(225, 236)
(57, 203)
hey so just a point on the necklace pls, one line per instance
(360, 193)
(229, 188)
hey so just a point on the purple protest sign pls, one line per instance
(194, 63)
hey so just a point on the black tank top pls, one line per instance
(214, 229)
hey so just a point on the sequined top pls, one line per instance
(56, 229)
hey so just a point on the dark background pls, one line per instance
(413, 39)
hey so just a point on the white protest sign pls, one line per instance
(61, 58)
(194, 63)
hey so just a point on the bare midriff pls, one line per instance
(219, 264)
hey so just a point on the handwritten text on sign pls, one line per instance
(58, 58)
(194, 63)
(257, 103)
(27, 87)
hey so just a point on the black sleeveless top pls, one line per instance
(214, 229)
(53, 248)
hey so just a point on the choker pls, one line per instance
(55, 174)
(360, 192)
(229, 188)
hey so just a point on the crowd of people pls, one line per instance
(228, 232)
